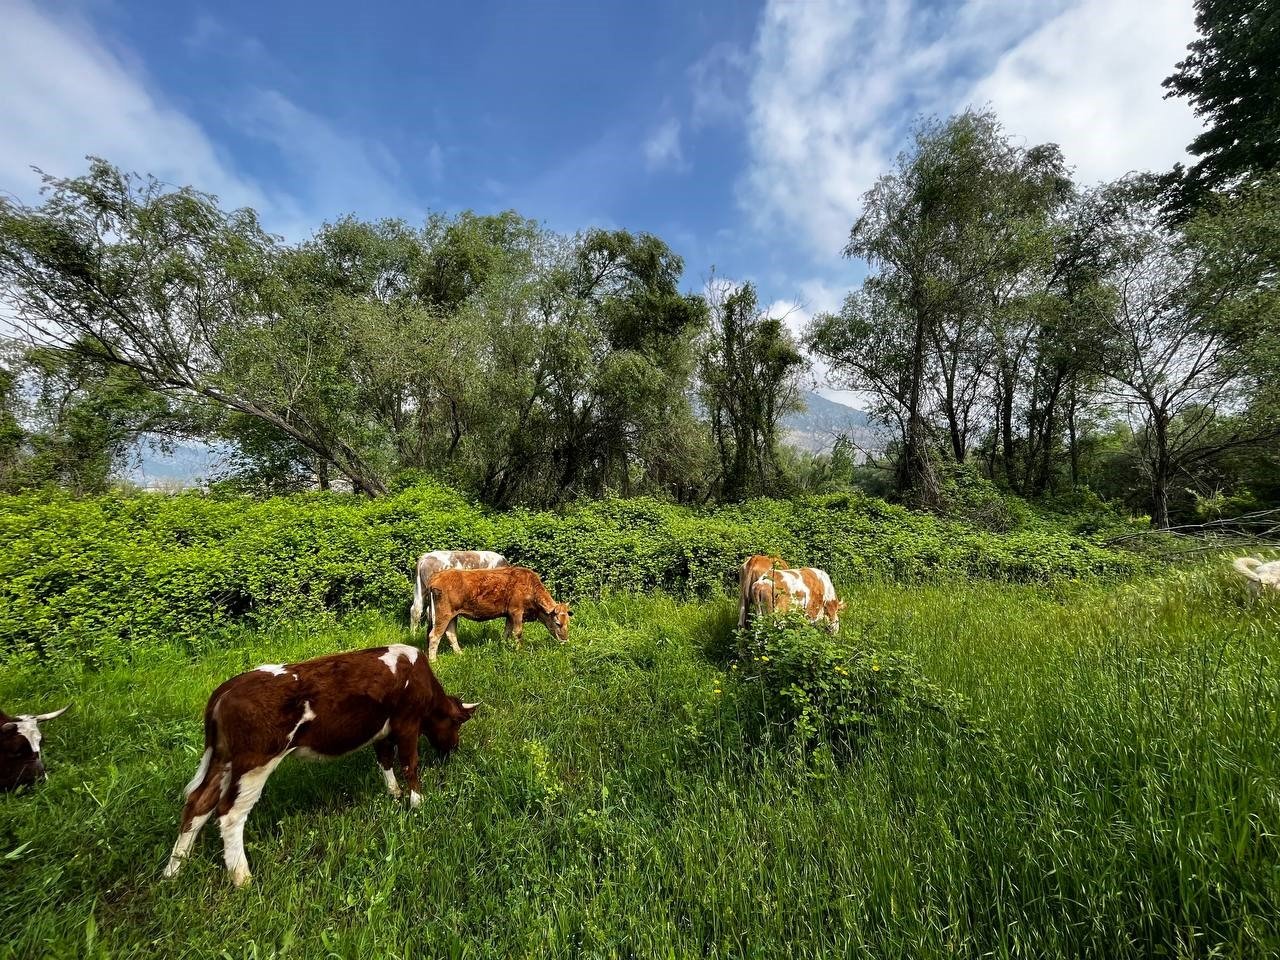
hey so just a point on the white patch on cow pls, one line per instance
(307, 714)
(389, 776)
(828, 588)
(795, 586)
(201, 770)
(275, 669)
(397, 650)
(29, 727)
(232, 825)
(414, 799)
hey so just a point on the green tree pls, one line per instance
(1230, 78)
(749, 380)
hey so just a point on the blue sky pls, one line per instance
(743, 133)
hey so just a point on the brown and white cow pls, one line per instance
(384, 696)
(20, 761)
(808, 588)
(429, 564)
(516, 593)
(753, 568)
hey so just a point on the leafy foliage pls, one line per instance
(1229, 77)
(100, 578)
(835, 692)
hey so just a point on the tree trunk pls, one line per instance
(914, 473)
(1006, 425)
(1071, 438)
(1161, 474)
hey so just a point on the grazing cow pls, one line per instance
(384, 696)
(429, 564)
(516, 593)
(808, 587)
(1260, 574)
(753, 568)
(20, 761)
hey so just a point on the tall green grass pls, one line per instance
(606, 801)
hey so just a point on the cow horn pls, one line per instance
(471, 706)
(41, 718)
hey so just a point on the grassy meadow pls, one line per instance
(1118, 797)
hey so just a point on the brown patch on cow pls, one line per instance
(753, 568)
(515, 594)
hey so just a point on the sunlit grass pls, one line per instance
(604, 803)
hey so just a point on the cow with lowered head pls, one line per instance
(386, 697)
(20, 760)
(514, 593)
(807, 589)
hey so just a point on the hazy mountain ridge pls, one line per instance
(817, 427)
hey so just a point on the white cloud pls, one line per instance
(1089, 80)
(837, 84)
(662, 149)
(68, 94)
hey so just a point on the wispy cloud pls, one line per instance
(1089, 80)
(717, 84)
(837, 83)
(662, 150)
(69, 94)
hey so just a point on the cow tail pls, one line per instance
(431, 600)
(415, 612)
(206, 762)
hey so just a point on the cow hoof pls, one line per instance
(415, 800)
(171, 869)
(240, 878)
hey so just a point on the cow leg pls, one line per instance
(243, 792)
(415, 611)
(196, 812)
(452, 633)
(433, 640)
(515, 627)
(407, 748)
(385, 750)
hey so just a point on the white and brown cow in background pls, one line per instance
(429, 564)
(20, 760)
(807, 588)
(383, 696)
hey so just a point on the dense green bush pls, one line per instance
(97, 578)
(799, 683)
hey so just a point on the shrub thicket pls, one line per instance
(97, 578)
(799, 683)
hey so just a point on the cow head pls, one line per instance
(20, 761)
(833, 608)
(443, 725)
(556, 617)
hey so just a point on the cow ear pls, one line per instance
(8, 727)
